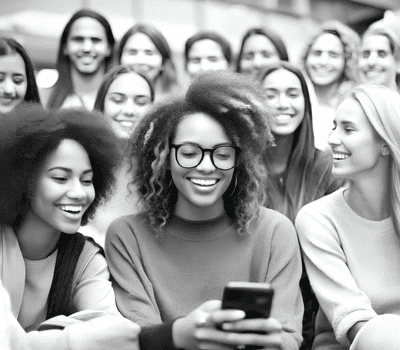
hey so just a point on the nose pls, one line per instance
(129, 108)
(140, 58)
(258, 60)
(87, 45)
(333, 138)
(372, 58)
(283, 102)
(76, 190)
(324, 58)
(205, 65)
(206, 165)
(8, 87)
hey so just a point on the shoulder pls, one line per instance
(127, 224)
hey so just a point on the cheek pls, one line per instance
(21, 90)
(111, 109)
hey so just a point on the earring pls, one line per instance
(385, 151)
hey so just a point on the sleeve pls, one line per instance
(157, 337)
(93, 288)
(336, 290)
(284, 274)
(133, 289)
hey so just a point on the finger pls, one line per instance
(254, 325)
(221, 316)
(211, 305)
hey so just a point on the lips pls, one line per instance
(340, 155)
(71, 209)
(204, 182)
(5, 100)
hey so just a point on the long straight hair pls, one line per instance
(63, 86)
(308, 172)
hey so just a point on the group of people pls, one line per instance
(257, 171)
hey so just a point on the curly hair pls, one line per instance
(63, 86)
(214, 36)
(9, 46)
(168, 75)
(29, 134)
(308, 174)
(108, 80)
(238, 104)
(350, 41)
(271, 35)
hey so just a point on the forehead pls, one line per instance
(69, 154)
(259, 42)
(202, 129)
(327, 41)
(205, 47)
(281, 79)
(140, 40)
(12, 63)
(376, 41)
(352, 111)
(130, 84)
(87, 26)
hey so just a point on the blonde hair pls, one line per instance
(382, 108)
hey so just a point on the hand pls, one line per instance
(104, 333)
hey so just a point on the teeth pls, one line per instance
(203, 182)
(283, 117)
(339, 156)
(71, 208)
(126, 123)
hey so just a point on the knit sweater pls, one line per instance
(159, 279)
(352, 264)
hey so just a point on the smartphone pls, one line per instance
(255, 299)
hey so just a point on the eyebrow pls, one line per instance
(69, 170)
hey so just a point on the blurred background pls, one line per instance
(38, 24)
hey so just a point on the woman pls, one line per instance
(298, 172)
(260, 47)
(197, 167)
(17, 77)
(379, 61)
(350, 238)
(207, 51)
(145, 49)
(55, 170)
(123, 98)
(330, 62)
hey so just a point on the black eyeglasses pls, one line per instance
(190, 156)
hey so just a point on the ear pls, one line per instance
(385, 150)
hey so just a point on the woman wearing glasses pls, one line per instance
(198, 169)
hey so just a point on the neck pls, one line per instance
(36, 240)
(326, 93)
(369, 197)
(188, 211)
(86, 86)
(279, 155)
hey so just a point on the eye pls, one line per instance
(267, 54)
(316, 53)
(18, 80)
(132, 52)
(142, 100)
(194, 60)
(213, 59)
(365, 54)
(383, 53)
(60, 179)
(118, 99)
(149, 52)
(96, 40)
(87, 182)
(248, 56)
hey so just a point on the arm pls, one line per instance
(284, 272)
(342, 301)
(133, 289)
(92, 286)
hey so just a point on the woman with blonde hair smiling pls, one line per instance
(351, 238)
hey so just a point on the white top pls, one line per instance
(353, 266)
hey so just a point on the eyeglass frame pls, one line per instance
(203, 151)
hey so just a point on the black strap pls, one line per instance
(70, 247)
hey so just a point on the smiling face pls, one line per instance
(142, 55)
(285, 97)
(64, 189)
(356, 147)
(87, 46)
(126, 101)
(376, 61)
(13, 82)
(200, 189)
(205, 55)
(258, 52)
(325, 61)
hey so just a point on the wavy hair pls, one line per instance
(271, 35)
(63, 86)
(214, 36)
(29, 134)
(308, 173)
(382, 108)
(8, 47)
(168, 75)
(108, 80)
(239, 105)
(350, 41)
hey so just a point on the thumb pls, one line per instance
(210, 305)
